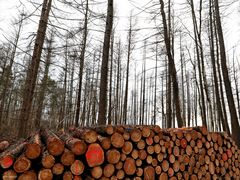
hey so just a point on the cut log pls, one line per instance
(108, 170)
(67, 158)
(7, 157)
(9, 175)
(55, 146)
(48, 160)
(136, 135)
(117, 140)
(113, 156)
(67, 175)
(29, 175)
(94, 155)
(77, 146)
(6, 161)
(58, 169)
(33, 149)
(45, 174)
(77, 167)
(22, 164)
(96, 172)
(149, 173)
(129, 166)
(127, 147)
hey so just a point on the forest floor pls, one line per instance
(9, 134)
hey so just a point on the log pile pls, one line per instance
(121, 152)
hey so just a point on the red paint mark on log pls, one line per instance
(183, 143)
(224, 157)
(6, 162)
(94, 155)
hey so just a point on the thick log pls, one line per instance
(127, 147)
(58, 169)
(67, 175)
(55, 146)
(22, 164)
(9, 175)
(7, 157)
(113, 156)
(94, 155)
(33, 149)
(149, 173)
(97, 172)
(48, 160)
(77, 167)
(77, 146)
(67, 157)
(117, 140)
(129, 166)
(45, 174)
(28, 175)
(136, 135)
(87, 134)
(108, 170)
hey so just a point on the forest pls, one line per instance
(77, 63)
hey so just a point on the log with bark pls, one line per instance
(122, 152)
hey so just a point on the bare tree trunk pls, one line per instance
(172, 69)
(62, 112)
(155, 87)
(104, 68)
(44, 85)
(129, 51)
(110, 84)
(226, 79)
(82, 58)
(117, 107)
(220, 116)
(33, 70)
(8, 71)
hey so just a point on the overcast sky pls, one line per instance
(123, 9)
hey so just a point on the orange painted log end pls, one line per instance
(94, 155)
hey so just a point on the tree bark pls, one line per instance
(104, 68)
(32, 72)
(82, 58)
(226, 79)
(173, 68)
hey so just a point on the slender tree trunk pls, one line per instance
(8, 71)
(62, 113)
(31, 78)
(155, 87)
(226, 79)
(220, 117)
(82, 59)
(42, 92)
(127, 74)
(110, 84)
(117, 112)
(172, 69)
(104, 68)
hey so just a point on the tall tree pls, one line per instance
(82, 58)
(220, 116)
(32, 72)
(226, 79)
(104, 68)
(8, 70)
(43, 89)
(129, 51)
(172, 65)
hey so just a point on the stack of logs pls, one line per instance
(121, 152)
